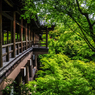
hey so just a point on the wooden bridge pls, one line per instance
(20, 44)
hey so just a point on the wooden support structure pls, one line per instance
(29, 36)
(33, 37)
(27, 73)
(26, 36)
(7, 37)
(18, 83)
(7, 50)
(11, 30)
(19, 79)
(30, 68)
(17, 48)
(23, 72)
(13, 33)
(36, 61)
(21, 35)
(1, 63)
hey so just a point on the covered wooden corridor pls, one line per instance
(20, 43)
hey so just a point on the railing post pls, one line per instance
(13, 34)
(46, 38)
(7, 50)
(21, 35)
(26, 35)
(1, 63)
(7, 37)
(17, 48)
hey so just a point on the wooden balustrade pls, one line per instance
(11, 51)
(30, 43)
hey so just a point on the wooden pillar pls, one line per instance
(19, 32)
(11, 29)
(13, 33)
(3, 37)
(23, 72)
(1, 63)
(7, 37)
(30, 68)
(19, 79)
(17, 86)
(29, 36)
(27, 73)
(26, 35)
(33, 37)
(46, 38)
(18, 41)
(21, 35)
(36, 61)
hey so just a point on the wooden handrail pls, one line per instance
(10, 51)
(7, 53)
(17, 42)
(7, 45)
(23, 41)
(4, 54)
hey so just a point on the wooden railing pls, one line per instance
(18, 48)
(8, 48)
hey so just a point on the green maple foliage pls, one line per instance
(78, 15)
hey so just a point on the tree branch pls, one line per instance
(93, 23)
(85, 38)
(86, 15)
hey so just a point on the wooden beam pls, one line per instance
(1, 63)
(7, 16)
(11, 5)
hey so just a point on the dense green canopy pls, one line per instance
(78, 15)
